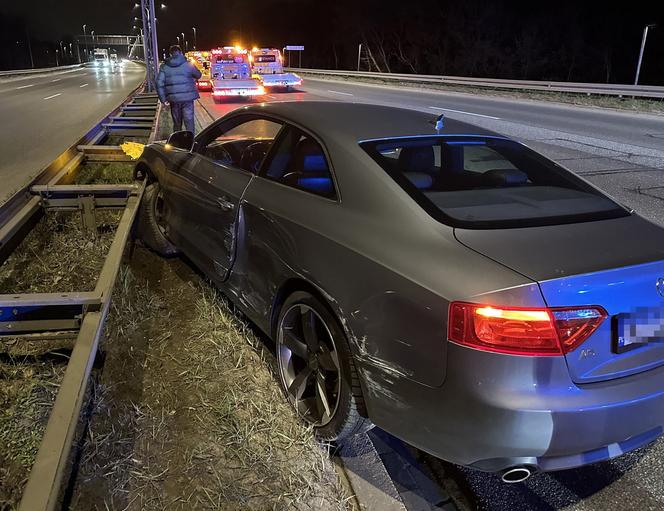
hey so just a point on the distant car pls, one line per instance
(448, 284)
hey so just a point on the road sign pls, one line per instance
(295, 48)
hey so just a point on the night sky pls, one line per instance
(562, 40)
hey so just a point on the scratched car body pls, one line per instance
(446, 283)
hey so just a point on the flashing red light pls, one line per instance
(522, 331)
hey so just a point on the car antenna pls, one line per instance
(440, 122)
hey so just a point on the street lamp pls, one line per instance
(194, 29)
(85, 36)
(178, 38)
(93, 39)
(643, 46)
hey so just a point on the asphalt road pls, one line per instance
(41, 116)
(620, 152)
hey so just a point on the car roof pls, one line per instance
(355, 122)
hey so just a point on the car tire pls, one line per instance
(149, 228)
(349, 416)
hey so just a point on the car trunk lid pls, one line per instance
(616, 264)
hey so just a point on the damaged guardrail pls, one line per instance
(606, 89)
(81, 314)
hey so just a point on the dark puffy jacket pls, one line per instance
(176, 82)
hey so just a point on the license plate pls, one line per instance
(638, 328)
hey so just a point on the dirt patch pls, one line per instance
(58, 255)
(104, 173)
(188, 413)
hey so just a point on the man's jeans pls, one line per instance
(183, 112)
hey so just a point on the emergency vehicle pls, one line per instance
(231, 74)
(268, 66)
(201, 59)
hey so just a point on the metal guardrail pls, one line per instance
(44, 70)
(607, 89)
(79, 315)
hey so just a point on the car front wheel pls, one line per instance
(151, 225)
(317, 371)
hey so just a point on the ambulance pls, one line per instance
(268, 67)
(231, 74)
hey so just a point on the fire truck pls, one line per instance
(268, 66)
(201, 59)
(231, 74)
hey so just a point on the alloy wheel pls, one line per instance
(309, 364)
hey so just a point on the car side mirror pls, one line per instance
(181, 140)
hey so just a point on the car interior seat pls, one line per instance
(310, 167)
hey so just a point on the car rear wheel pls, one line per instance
(317, 371)
(151, 225)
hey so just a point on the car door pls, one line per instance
(219, 170)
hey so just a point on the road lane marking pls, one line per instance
(338, 92)
(25, 86)
(54, 95)
(84, 85)
(465, 113)
(56, 80)
(271, 96)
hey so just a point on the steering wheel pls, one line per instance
(253, 155)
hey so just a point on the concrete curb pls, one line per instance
(385, 475)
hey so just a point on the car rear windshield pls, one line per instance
(488, 182)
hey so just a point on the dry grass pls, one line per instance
(58, 255)
(104, 173)
(188, 412)
(28, 387)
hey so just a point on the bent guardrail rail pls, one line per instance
(607, 89)
(80, 315)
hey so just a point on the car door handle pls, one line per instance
(225, 204)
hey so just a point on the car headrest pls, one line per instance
(417, 159)
(420, 180)
(309, 157)
(505, 177)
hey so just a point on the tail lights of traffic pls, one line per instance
(521, 331)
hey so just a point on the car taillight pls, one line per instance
(521, 331)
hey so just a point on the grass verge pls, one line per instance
(104, 173)
(189, 414)
(58, 255)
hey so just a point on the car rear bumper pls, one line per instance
(498, 411)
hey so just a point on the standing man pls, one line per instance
(176, 85)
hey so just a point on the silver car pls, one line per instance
(438, 280)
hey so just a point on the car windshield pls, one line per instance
(488, 182)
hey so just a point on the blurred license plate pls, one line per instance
(637, 329)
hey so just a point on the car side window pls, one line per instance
(299, 161)
(242, 145)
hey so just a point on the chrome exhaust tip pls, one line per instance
(516, 475)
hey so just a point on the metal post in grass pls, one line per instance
(643, 46)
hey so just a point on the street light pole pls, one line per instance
(359, 54)
(32, 61)
(195, 36)
(85, 36)
(643, 46)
